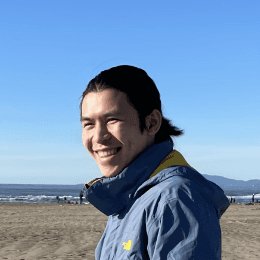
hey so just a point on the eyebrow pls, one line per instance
(107, 114)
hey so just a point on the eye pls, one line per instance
(87, 124)
(112, 119)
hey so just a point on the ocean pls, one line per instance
(37, 193)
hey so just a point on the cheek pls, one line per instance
(127, 131)
(133, 136)
(118, 132)
(82, 135)
(85, 139)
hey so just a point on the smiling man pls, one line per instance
(158, 206)
(107, 114)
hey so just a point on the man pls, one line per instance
(81, 196)
(158, 206)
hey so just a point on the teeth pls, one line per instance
(107, 153)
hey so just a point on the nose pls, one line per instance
(101, 134)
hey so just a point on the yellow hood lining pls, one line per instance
(174, 158)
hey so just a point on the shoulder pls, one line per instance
(176, 183)
(181, 181)
(176, 191)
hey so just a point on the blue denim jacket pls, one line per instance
(159, 208)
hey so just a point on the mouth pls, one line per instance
(109, 153)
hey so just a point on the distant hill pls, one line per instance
(231, 186)
(235, 187)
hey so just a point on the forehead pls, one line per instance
(105, 102)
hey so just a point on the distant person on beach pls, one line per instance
(253, 198)
(81, 197)
(158, 206)
(58, 199)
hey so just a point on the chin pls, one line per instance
(112, 175)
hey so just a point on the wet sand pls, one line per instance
(67, 231)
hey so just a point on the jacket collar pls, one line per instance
(113, 195)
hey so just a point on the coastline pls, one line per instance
(33, 231)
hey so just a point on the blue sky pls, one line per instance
(204, 57)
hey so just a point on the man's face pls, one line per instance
(108, 115)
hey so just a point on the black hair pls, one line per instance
(141, 92)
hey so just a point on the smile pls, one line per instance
(104, 154)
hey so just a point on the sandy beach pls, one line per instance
(67, 231)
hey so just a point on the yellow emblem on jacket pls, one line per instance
(127, 246)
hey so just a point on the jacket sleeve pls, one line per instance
(185, 230)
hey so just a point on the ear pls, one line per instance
(153, 122)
